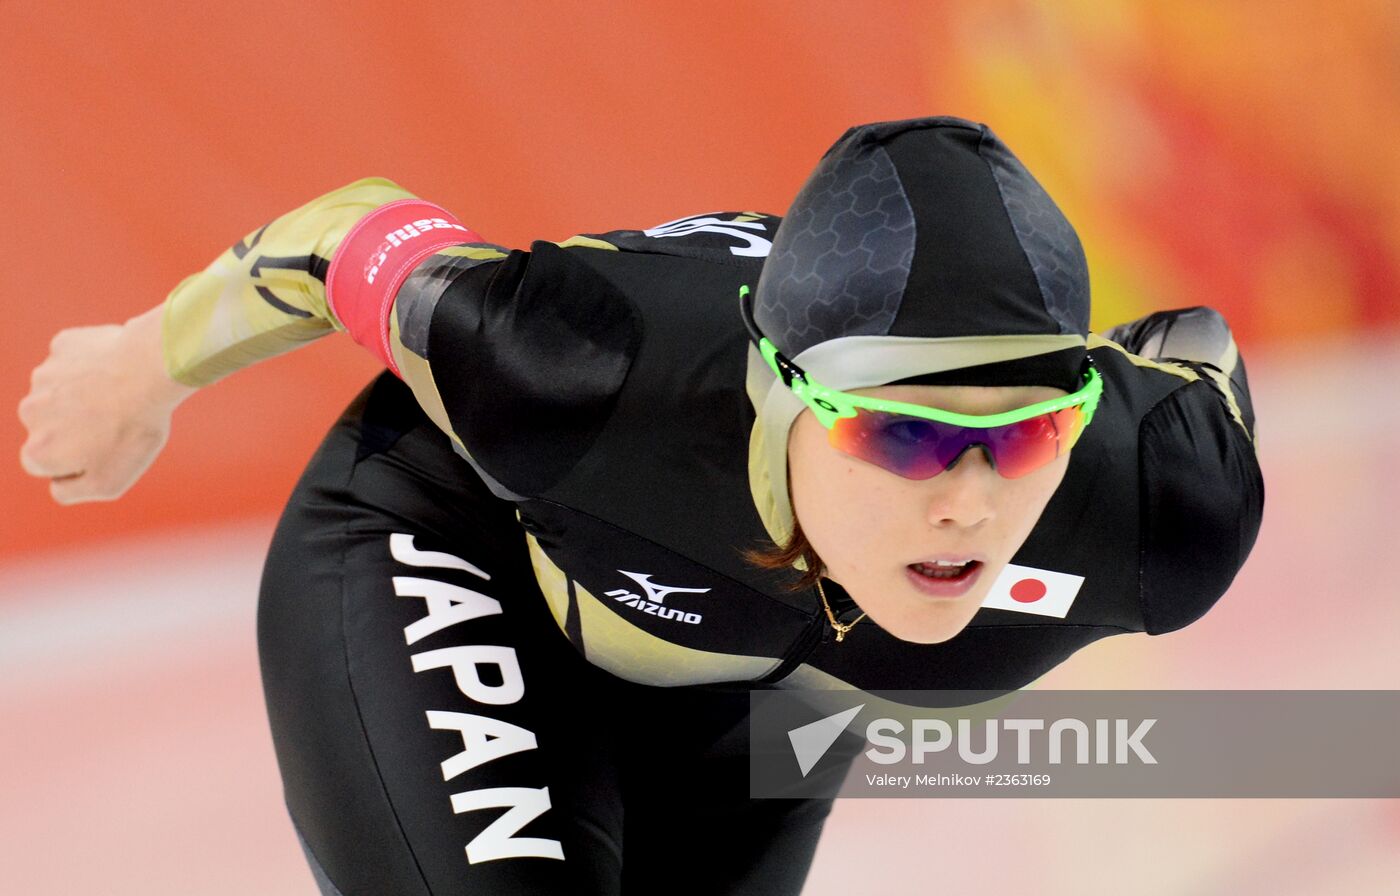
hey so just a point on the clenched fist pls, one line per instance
(98, 409)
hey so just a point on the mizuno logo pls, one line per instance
(651, 603)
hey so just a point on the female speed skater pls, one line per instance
(607, 486)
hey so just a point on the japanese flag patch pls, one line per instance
(1025, 589)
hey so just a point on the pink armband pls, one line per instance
(376, 257)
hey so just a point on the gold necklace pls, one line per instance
(841, 627)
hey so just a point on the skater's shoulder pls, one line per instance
(730, 237)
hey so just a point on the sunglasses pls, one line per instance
(919, 442)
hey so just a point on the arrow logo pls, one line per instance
(811, 741)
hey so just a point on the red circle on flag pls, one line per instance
(1028, 591)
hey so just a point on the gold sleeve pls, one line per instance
(266, 294)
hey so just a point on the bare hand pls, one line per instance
(98, 409)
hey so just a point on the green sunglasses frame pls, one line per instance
(830, 405)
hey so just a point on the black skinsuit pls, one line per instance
(599, 388)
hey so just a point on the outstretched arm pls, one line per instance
(330, 265)
(99, 406)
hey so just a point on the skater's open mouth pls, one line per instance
(947, 570)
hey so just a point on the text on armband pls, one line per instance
(397, 237)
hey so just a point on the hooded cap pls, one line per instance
(918, 251)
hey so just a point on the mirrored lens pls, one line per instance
(918, 448)
(1021, 448)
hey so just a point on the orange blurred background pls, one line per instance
(1238, 154)
(1241, 155)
